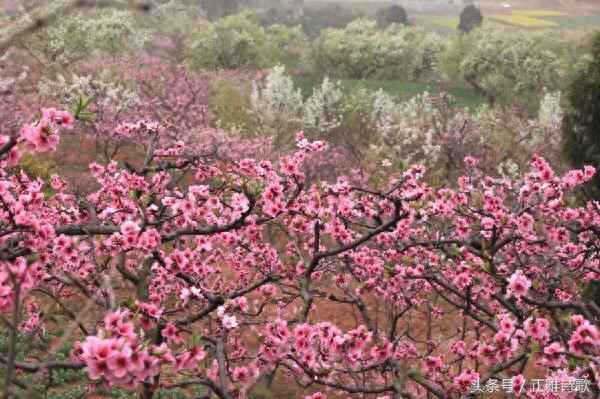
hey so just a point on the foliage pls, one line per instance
(506, 65)
(290, 47)
(470, 18)
(551, 113)
(84, 33)
(361, 51)
(174, 22)
(52, 383)
(37, 167)
(230, 103)
(239, 41)
(103, 90)
(329, 112)
(582, 118)
(356, 128)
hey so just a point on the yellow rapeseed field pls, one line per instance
(528, 19)
(540, 13)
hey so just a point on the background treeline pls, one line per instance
(500, 64)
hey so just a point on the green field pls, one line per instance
(464, 96)
(576, 22)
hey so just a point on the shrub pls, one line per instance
(231, 106)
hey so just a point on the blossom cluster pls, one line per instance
(123, 358)
(43, 136)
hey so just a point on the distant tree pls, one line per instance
(406, 52)
(394, 14)
(470, 18)
(581, 124)
(509, 66)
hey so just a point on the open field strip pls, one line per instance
(540, 13)
(523, 21)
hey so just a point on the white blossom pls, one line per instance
(322, 109)
(229, 322)
(102, 88)
(551, 113)
(277, 103)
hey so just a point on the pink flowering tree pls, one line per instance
(182, 270)
(108, 94)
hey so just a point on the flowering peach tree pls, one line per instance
(181, 269)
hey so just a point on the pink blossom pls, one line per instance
(241, 374)
(118, 362)
(432, 364)
(60, 118)
(518, 284)
(465, 380)
(585, 339)
(538, 329)
(171, 334)
(317, 395)
(130, 228)
(40, 137)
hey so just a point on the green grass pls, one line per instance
(464, 96)
(576, 21)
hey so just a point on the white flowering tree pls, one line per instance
(277, 104)
(551, 113)
(429, 130)
(405, 130)
(322, 111)
(106, 91)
